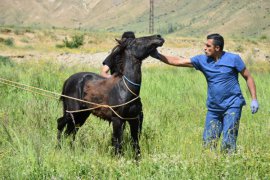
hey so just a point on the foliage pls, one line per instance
(174, 109)
(5, 61)
(263, 37)
(9, 42)
(77, 41)
(239, 48)
(24, 40)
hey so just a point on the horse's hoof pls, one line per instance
(138, 157)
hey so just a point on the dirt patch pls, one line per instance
(95, 60)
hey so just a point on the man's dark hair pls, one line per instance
(128, 34)
(218, 40)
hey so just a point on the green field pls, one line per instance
(171, 142)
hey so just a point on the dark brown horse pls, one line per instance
(119, 92)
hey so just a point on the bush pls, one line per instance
(9, 42)
(263, 37)
(24, 40)
(19, 32)
(5, 61)
(76, 42)
(239, 48)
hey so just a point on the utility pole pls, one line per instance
(151, 17)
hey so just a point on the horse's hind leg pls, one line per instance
(61, 123)
(76, 120)
(135, 130)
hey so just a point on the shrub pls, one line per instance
(9, 42)
(263, 37)
(6, 31)
(5, 61)
(239, 48)
(76, 42)
(60, 45)
(24, 40)
(19, 32)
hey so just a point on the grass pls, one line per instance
(174, 107)
(46, 40)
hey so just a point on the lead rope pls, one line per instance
(24, 87)
(128, 87)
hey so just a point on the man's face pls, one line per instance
(210, 49)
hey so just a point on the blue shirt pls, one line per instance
(222, 80)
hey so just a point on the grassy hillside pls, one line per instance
(187, 17)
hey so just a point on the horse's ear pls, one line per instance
(118, 41)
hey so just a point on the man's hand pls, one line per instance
(254, 106)
(105, 71)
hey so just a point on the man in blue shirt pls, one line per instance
(224, 97)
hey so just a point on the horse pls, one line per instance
(115, 99)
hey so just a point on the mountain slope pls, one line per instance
(186, 17)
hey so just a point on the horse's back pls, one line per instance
(74, 85)
(81, 76)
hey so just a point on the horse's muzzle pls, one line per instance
(159, 40)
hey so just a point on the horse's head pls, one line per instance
(141, 47)
(135, 48)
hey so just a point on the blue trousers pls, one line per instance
(226, 122)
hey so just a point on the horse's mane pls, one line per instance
(118, 53)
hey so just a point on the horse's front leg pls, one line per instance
(117, 135)
(135, 131)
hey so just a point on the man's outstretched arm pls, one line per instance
(172, 60)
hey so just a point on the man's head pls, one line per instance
(128, 34)
(214, 45)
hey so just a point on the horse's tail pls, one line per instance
(63, 91)
(62, 98)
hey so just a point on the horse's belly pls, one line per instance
(104, 113)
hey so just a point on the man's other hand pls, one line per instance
(254, 106)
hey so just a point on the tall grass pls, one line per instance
(171, 142)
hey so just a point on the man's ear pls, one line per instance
(217, 48)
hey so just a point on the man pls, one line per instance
(225, 100)
(111, 63)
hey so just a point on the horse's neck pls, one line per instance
(132, 69)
